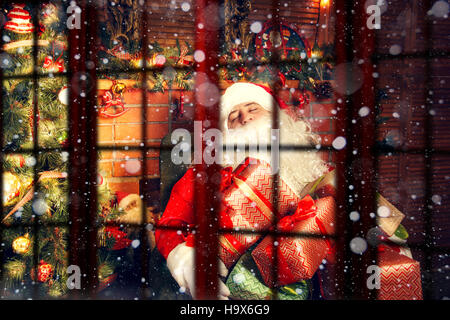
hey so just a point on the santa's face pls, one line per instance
(251, 126)
(244, 113)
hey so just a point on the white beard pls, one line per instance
(297, 168)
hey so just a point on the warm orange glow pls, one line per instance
(325, 2)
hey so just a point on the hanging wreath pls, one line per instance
(284, 37)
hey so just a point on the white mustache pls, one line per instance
(297, 168)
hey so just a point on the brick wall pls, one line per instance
(123, 168)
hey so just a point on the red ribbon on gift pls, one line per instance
(227, 175)
(306, 209)
(109, 100)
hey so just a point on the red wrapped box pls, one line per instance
(298, 257)
(247, 205)
(399, 276)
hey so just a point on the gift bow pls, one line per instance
(306, 209)
(109, 101)
(50, 64)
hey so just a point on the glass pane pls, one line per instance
(401, 181)
(401, 110)
(23, 279)
(440, 200)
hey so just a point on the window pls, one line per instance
(92, 114)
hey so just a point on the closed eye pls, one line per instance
(234, 117)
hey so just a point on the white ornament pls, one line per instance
(63, 96)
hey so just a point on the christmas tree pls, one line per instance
(35, 184)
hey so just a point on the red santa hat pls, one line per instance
(242, 92)
(20, 20)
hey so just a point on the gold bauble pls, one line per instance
(21, 244)
(11, 188)
(118, 88)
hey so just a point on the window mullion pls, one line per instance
(82, 144)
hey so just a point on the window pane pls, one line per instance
(401, 181)
(23, 279)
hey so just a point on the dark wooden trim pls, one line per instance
(206, 197)
(83, 143)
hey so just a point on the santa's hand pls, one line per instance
(181, 263)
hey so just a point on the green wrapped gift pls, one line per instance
(245, 283)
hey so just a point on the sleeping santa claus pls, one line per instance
(246, 117)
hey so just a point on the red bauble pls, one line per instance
(45, 272)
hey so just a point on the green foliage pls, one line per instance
(299, 67)
(18, 125)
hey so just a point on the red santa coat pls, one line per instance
(179, 213)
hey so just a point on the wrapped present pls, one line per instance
(247, 205)
(298, 257)
(399, 276)
(388, 218)
(396, 242)
(245, 283)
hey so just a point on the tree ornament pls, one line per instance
(130, 206)
(118, 88)
(285, 38)
(111, 98)
(29, 195)
(20, 20)
(49, 14)
(158, 60)
(45, 271)
(21, 245)
(63, 95)
(100, 180)
(322, 88)
(11, 188)
(62, 137)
